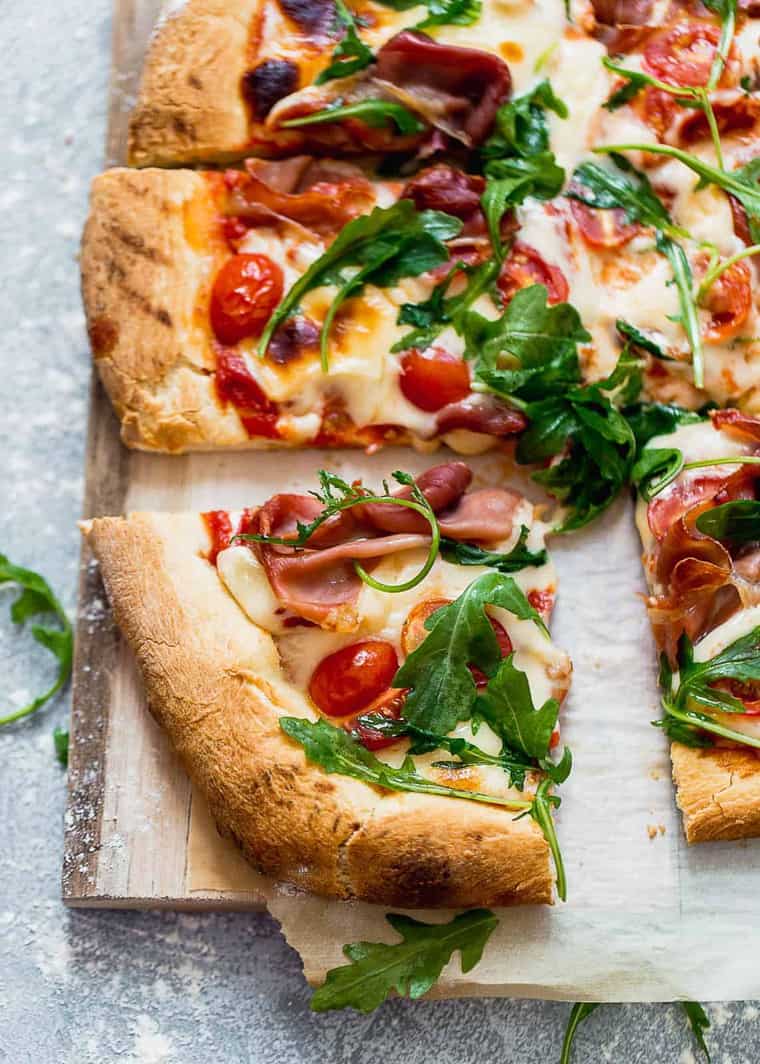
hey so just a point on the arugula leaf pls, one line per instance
(441, 12)
(61, 745)
(507, 707)
(520, 557)
(726, 12)
(351, 55)
(623, 187)
(648, 420)
(695, 699)
(529, 350)
(37, 598)
(737, 522)
(441, 686)
(639, 340)
(654, 470)
(434, 314)
(636, 80)
(695, 1013)
(517, 159)
(684, 282)
(334, 750)
(680, 732)
(410, 967)
(743, 183)
(373, 112)
(578, 1014)
(383, 246)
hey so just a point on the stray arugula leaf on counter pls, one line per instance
(440, 310)
(736, 522)
(696, 1015)
(740, 661)
(578, 1013)
(379, 248)
(410, 967)
(442, 690)
(520, 557)
(517, 160)
(441, 12)
(334, 750)
(61, 745)
(351, 54)
(37, 598)
(373, 112)
(337, 495)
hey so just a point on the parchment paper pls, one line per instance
(647, 918)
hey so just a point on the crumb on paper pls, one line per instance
(653, 830)
(655, 774)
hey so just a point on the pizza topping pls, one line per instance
(368, 728)
(602, 229)
(268, 83)
(735, 112)
(415, 630)
(457, 89)
(315, 18)
(482, 414)
(352, 678)
(525, 267)
(444, 188)
(433, 378)
(236, 385)
(245, 293)
(729, 302)
(442, 486)
(219, 526)
(737, 424)
(296, 338)
(684, 54)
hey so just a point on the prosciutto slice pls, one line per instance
(442, 486)
(483, 414)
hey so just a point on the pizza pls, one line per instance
(481, 224)
(371, 712)
(698, 516)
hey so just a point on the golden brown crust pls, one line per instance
(147, 265)
(212, 681)
(190, 106)
(718, 792)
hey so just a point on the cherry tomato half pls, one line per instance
(748, 693)
(683, 55)
(433, 378)
(602, 228)
(389, 705)
(246, 291)
(729, 301)
(353, 677)
(525, 267)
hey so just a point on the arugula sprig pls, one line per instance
(627, 188)
(61, 746)
(410, 967)
(441, 12)
(695, 1014)
(375, 112)
(517, 161)
(440, 310)
(441, 688)
(529, 358)
(659, 466)
(37, 598)
(689, 697)
(337, 495)
(351, 55)
(379, 248)
(519, 557)
(734, 522)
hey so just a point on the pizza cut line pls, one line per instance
(339, 701)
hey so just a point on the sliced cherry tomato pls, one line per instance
(414, 632)
(234, 230)
(353, 677)
(236, 385)
(525, 267)
(684, 54)
(602, 228)
(219, 526)
(729, 301)
(541, 600)
(433, 378)
(389, 705)
(657, 108)
(245, 293)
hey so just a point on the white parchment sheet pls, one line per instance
(647, 918)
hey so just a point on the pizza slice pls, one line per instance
(276, 77)
(699, 518)
(361, 684)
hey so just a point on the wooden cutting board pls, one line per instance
(134, 835)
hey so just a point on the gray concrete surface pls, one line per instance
(101, 987)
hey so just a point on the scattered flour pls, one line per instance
(151, 1047)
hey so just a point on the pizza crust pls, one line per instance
(190, 106)
(212, 681)
(718, 792)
